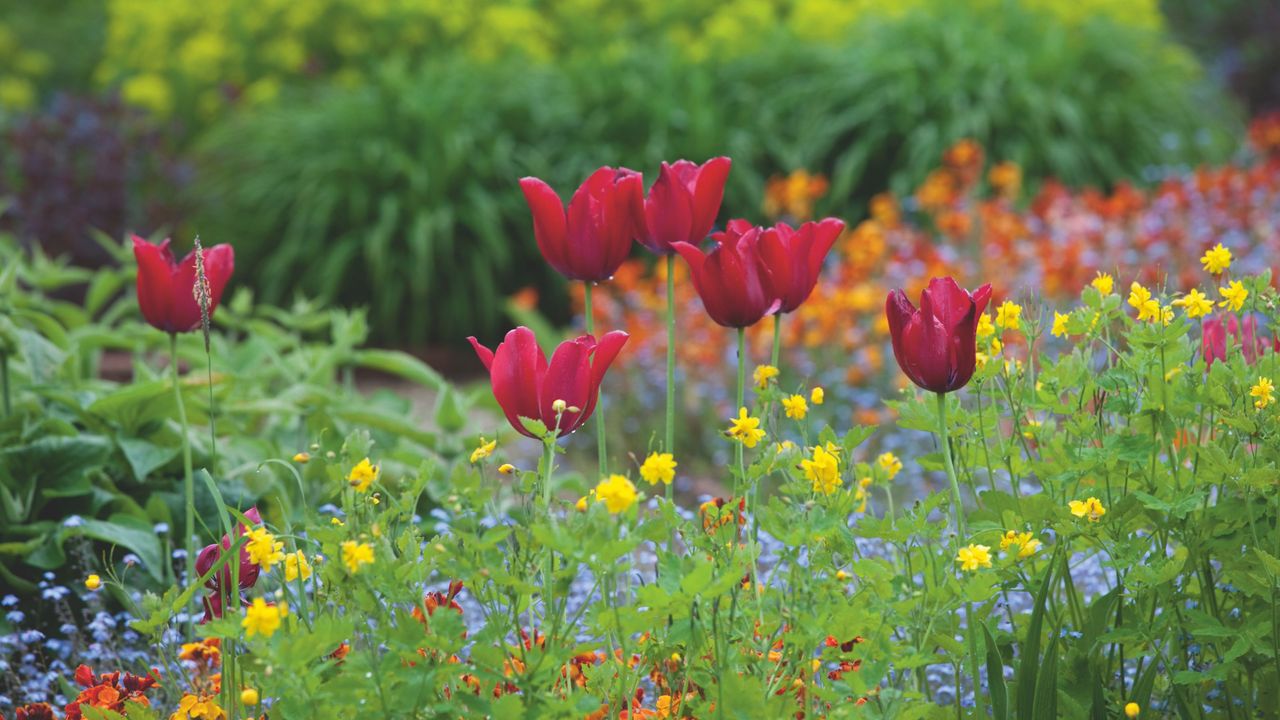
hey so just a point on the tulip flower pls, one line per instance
(210, 556)
(1214, 334)
(166, 288)
(936, 344)
(594, 237)
(737, 287)
(561, 394)
(682, 205)
(795, 257)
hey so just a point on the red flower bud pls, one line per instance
(795, 257)
(166, 288)
(735, 284)
(936, 345)
(594, 237)
(682, 205)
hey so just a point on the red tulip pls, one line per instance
(166, 288)
(1213, 341)
(525, 385)
(594, 238)
(795, 257)
(682, 205)
(735, 284)
(936, 345)
(1214, 334)
(209, 557)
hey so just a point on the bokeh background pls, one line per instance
(366, 152)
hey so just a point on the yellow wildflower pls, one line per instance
(1009, 316)
(795, 406)
(617, 493)
(263, 548)
(355, 555)
(1216, 259)
(93, 582)
(1103, 283)
(763, 374)
(1233, 296)
(198, 707)
(818, 396)
(363, 475)
(823, 471)
(1140, 299)
(483, 450)
(249, 697)
(1060, 324)
(890, 464)
(262, 619)
(302, 458)
(1195, 303)
(506, 468)
(746, 429)
(336, 522)
(1263, 390)
(973, 557)
(1027, 544)
(659, 468)
(1091, 508)
(295, 565)
(985, 328)
(1132, 710)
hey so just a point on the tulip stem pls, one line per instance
(591, 330)
(742, 393)
(944, 439)
(188, 482)
(670, 443)
(777, 341)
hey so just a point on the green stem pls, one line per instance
(741, 397)
(777, 341)
(957, 511)
(4, 381)
(591, 330)
(548, 590)
(670, 444)
(188, 481)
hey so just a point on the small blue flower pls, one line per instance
(73, 521)
(15, 616)
(9, 600)
(132, 559)
(55, 593)
(161, 528)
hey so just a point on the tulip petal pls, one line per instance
(568, 378)
(155, 282)
(550, 227)
(219, 264)
(484, 353)
(708, 194)
(668, 213)
(516, 375)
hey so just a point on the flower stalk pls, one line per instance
(591, 330)
(670, 439)
(188, 476)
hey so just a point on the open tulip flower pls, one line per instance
(795, 257)
(527, 386)
(936, 344)
(735, 283)
(166, 288)
(682, 205)
(594, 237)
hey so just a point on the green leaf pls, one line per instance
(1029, 662)
(128, 532)
(144, 457)
(401, 364)
(995, 677)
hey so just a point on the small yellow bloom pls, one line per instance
(1103, 283)
(659, 468)
(745, 429)
(363, 475)
(249, 697)
(796, 407)
(507, 468)
(302, 458)
(985, 328)
(981, 359)
(336, 522)
(617, 493)
(1060, 324)
(581, 505)
(355, 555)
(1195, 303)
(763, 374)
(1131, 710)
(842, 575)
(295, 565)
(973, 557)
(263, 549)
(483, 450)
(1009, 316)
(198, 707)
(890, 464)
(1091, 508)
(93, 582)
(818, 396)
(823, 471)
(784, 446)
(1216, 259)
(262, 619)
(1148, 308)
(1264, 391)
(1233, 296)
(1027, 544)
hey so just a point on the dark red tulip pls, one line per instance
(525, 385)
(736, 286)
(795, 257)
(590, 241)
(166, 288)
(1213, 341)
(682, 205)
(936, 345)
(1244, 332)
(209, 557)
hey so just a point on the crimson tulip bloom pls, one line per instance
(936, 346)
(526, 385)
(1213, 340)
(166, 288)
(737, 287)
(594, 237)
(209, 557)
(682, 205)
(795, 257)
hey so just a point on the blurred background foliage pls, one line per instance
(366, 151)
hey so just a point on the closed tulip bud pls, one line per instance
(936, 345)
(736, 285)
(795, 257)
(682, 205)
(593, 238)
(166, 288)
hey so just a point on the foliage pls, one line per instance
(1234, 38)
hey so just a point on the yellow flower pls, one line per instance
(1027, 544)
(985, 328)
(1233, 296)
(1103, 283)
(336, 522)
(1091, 508)
(302, 458)
(795, 406)
(973, 557)
(1148, 308)
(890, 464)
(823, 471)
(296, 564)
(249, 697)
(1216, 259)
(860, 494)
(1131, 710)
(193, 707)
(483, 450)
(1060, 324)
(506, 468)
(659, 468)
(763, 374)
(363, 475)
(263, 548)
(1009, 316)
(818, 396)
(93, 582)
(617, 493)
(1263, 390)
(262, 619)
(745, 429)
(981, 359)
(581, 505)
(356, 555)
(1195, 303)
